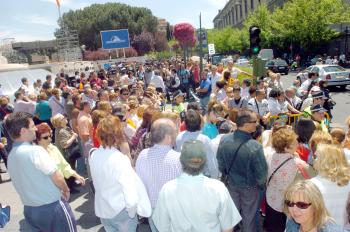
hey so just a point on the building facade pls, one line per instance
(236, 11)
(162, 25)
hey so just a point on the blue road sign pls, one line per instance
(115, 39)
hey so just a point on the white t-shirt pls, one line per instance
(158, 82)
(214, 78)
(196, 204)
(114, 182)
(260, 108)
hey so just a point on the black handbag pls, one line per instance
(72, 149)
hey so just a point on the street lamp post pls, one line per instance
(200, 46)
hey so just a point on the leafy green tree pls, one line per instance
(109, 16)
(306, 22)
(227, 39)
(261, 17)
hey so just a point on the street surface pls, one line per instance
(82, 203)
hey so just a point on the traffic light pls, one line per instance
(254, 36)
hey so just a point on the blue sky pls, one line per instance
(28, 20)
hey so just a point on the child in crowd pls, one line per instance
(178, 103)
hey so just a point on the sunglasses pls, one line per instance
(125, 93)
(299, 204)
(46, 137)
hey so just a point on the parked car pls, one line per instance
(335, 75)
(242, 62)
(277, 66)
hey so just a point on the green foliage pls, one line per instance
(109, 16)
(227, 39)
(307, 21)
(160, 55)
(304, 22)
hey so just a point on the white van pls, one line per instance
(266, 54)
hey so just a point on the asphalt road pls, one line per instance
(342, 97)
(82, 205)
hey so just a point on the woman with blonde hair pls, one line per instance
(104, 106)
(284, 167)
(120, 193)
(306, 210)
(333, 179)
(319, 137)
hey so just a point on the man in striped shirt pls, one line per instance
(159, 164)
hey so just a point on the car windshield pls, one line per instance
(280, 62)
(308, 69)
(335, 68)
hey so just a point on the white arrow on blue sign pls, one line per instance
(115, 39)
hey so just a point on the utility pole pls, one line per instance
(346, 41)
(200, 47)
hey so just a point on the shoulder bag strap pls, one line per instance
(274, 172)
(257, 106)
(92, 151)
(235, 156)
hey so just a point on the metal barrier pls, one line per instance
(284, 119)
(292, 119)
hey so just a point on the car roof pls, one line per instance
(324, 65)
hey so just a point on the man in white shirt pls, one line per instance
(214, 77)
(25, 86)
(259, 105)
(158, 81)
(305, 85)
(291, 97)
(226, 127)
(23, 104)
(193, 131)
(178, 209)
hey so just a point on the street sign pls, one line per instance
(115, 39)
(211, 49)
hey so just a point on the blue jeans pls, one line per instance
(120, 223)
(204, 104)
(54, 217)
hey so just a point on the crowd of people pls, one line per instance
(158, 142)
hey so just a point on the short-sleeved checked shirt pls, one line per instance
(156, 166)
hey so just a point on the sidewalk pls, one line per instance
(82, 205)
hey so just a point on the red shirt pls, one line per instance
(303, 152)
(95, 140)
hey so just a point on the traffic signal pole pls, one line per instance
(254, 41)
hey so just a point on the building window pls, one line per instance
(236, 8)
(240, 12)
(252, 4)
(246, 8)
(233, 16)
